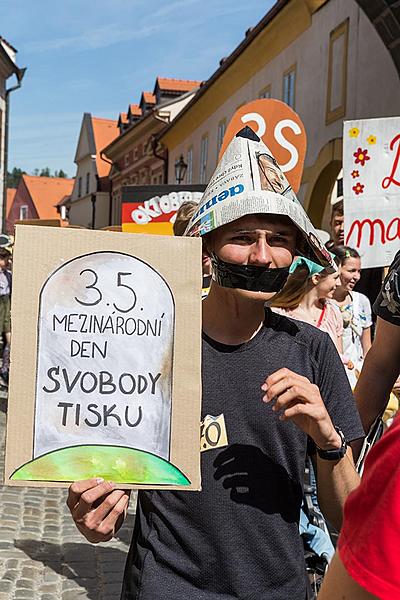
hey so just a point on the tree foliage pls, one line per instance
(15, 175)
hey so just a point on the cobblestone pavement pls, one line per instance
(43, 556)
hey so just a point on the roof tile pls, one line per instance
(105, 131)
(149, 98)
(135, 110)
(10, 199)
(177, 85)
(46, 192)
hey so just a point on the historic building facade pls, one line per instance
(322, 57)
(137, 158)
(8, 68)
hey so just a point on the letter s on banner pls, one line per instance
(257, 118)
(294, 155)
(280, 128)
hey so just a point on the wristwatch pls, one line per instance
(336, 453)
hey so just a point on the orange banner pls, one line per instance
(280, 128)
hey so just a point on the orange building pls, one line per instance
(89, 205)
(37, 198)
(136, 157)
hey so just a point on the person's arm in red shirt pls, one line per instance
(339, 585)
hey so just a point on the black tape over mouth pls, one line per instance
(248, 277)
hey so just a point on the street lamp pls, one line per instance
(180, 169)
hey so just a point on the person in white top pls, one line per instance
(355, 309)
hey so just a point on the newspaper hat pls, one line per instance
(248, 180)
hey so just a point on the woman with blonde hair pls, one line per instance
(307, 296)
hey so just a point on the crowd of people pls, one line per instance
(279, 361)
(5, 313)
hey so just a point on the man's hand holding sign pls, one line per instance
(98, 508)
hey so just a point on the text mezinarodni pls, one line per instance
(107, 324)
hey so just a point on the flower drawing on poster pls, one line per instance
(361, 156)
(354, 132)
(358, 188)
(104, 374)
(371, 188)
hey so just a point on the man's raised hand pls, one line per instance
(297, 399)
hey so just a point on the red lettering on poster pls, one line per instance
(391, 178)
(388, 233)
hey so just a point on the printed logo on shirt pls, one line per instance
(213, 433)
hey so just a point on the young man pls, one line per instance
(281, 387)
(336, 226)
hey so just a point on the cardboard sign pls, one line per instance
(248, 181)
(280, 128)
(152, 209)
(105, 359)
(371, 188)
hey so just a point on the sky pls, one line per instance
(98, 57)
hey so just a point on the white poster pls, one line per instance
(371, 188)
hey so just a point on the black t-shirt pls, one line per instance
(238, 538)
(387, 304)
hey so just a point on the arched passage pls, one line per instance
(320, 179)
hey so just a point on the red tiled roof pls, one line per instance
(149, 98)
(10, 199)
(177, 85)
(46, 192)
(135, 110)
(123, 118)
(105, 131)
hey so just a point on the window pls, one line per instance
(220, 134)
(79, 187)
(337, 73)
(340, 187)
(87, 182)
(189, 170)
(203, 159)
(289, 83)
(265, 92)
(23, 212)
(135, 154)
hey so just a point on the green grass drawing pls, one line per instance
(114, 463)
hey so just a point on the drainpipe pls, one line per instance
(154, 142)
(19, 74)
(93, 199)
(103, 157)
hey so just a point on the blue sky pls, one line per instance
(98, 57)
